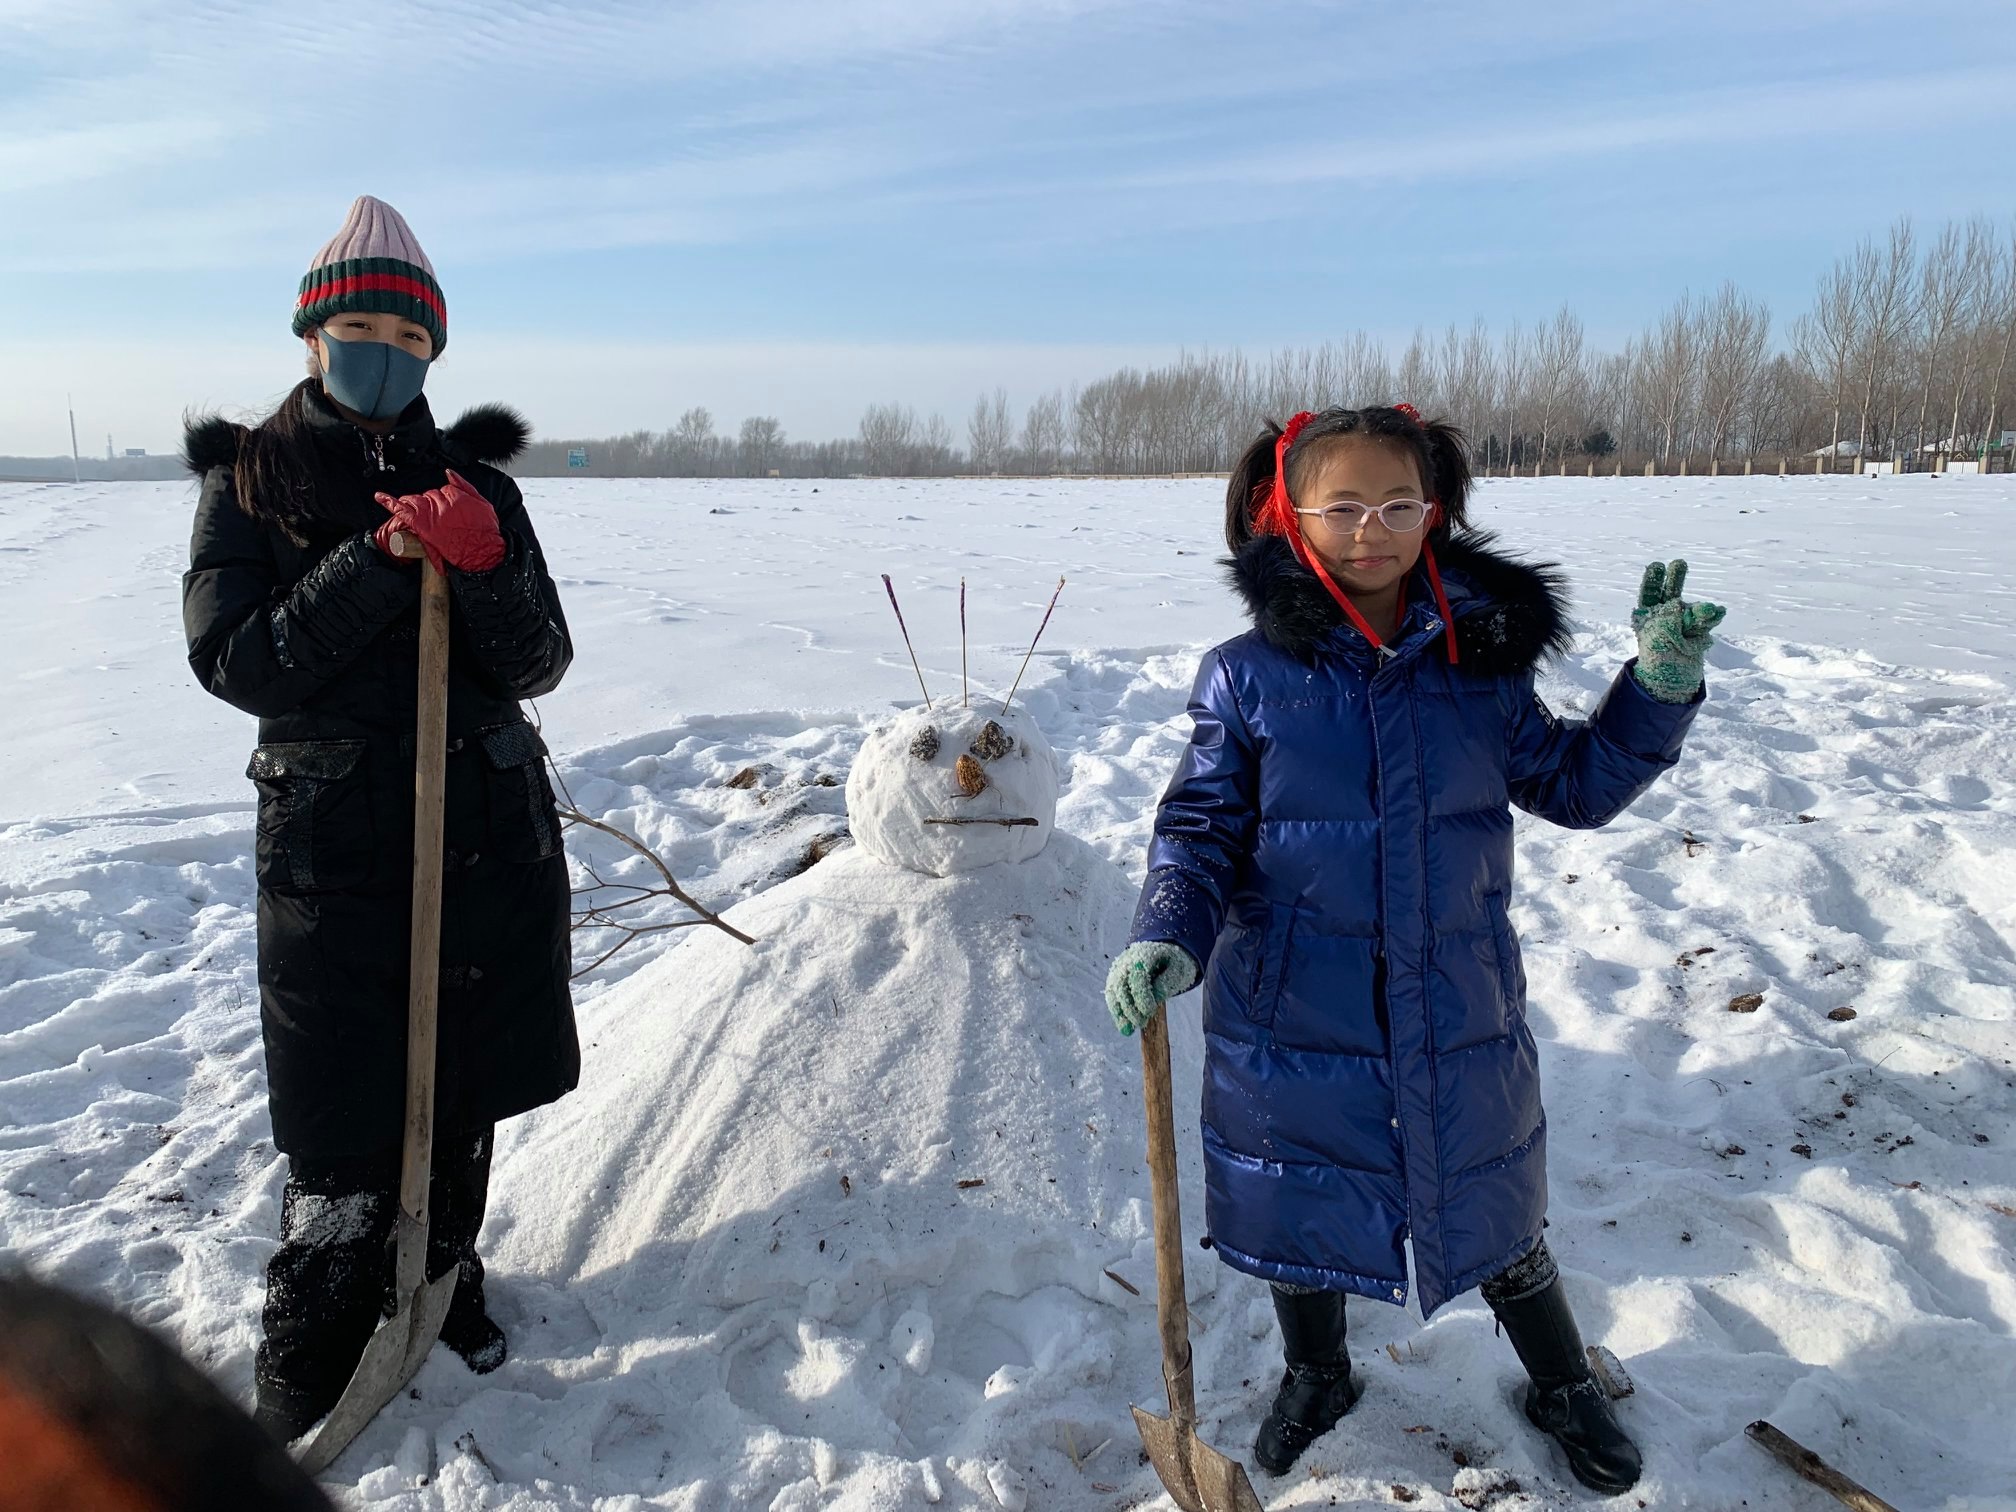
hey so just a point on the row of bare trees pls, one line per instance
(1908, 351)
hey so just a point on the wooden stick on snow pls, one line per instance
(1032, 645)
(1809, 1466)
(965, 687)
(906, 640)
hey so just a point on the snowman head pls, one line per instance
(952, 788)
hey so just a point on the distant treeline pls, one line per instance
(90, 469)
(1908, 350)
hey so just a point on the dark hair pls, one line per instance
(274, 477)
(143, 1413)
(1440, 451)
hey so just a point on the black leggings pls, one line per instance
(1525, 1277)
(330, 1281)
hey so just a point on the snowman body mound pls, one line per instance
(952, 789)
(854, 1200)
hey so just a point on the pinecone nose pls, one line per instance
(971, 775)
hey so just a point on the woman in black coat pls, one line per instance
(298, 611)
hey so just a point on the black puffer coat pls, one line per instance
(321, 641)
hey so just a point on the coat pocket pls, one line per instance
(524, 821)
(314, 830)
(1511, 972)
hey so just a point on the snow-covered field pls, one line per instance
(1773, 1209)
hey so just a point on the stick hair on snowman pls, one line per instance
(947, 788)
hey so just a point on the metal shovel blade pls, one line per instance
(1197, 1477)
(393, 1356)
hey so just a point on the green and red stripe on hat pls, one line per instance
(372, 286)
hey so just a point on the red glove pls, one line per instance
(454, 523)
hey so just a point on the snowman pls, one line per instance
(852, 1202)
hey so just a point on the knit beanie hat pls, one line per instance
(373, 266)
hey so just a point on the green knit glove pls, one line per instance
(1673, 635)
(1145, 976)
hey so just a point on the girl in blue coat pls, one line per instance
(1333, 860)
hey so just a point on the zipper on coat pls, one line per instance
(374, 448)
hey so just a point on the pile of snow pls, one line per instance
(869, 1181)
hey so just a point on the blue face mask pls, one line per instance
(372, 378)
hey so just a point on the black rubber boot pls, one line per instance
(1565, 1401)
(287, 1412)
(467, 1329)
(1316, 1389)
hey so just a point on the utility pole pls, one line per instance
(76, 467)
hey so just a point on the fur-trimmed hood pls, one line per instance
(487, 433)
(1510, 615)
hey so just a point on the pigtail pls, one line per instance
(1448, 476)
(1252, 480)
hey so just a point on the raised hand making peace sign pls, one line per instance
(1673, 635)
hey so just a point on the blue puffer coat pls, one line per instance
(1336, 850)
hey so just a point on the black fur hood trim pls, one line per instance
(488, 433)
(210, 441)
(1510, 615)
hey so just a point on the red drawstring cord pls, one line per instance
(1441, 601)
(1277, 517)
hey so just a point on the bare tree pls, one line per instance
(691, 447)
(1514, 375)
(990, 432)
(1669, 369)
(1946, 279)
(1414, 380)
(1827, 339)
(1043, 433)
(1736, 334)
(1886, 274)
(761, 444)
(1987, 280)
(1104, 420)
(888, 439)
(1998, 332)
(936, 454)
(1558, 375)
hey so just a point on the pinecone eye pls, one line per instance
(925, 746)
(993, 742)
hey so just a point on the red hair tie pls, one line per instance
(1410, 412)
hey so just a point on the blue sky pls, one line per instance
(798, 206)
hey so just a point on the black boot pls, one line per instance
(324, 1290)
(1565, 1401)
(1317, 1389)
(467, 1328)
(287, 1412)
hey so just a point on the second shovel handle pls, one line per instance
(430, 772)
(1171, 1306)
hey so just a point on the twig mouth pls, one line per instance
(1022, 823)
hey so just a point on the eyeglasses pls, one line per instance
(1401, 516)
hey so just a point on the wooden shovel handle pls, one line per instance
(430, 771)
(1171, 1306)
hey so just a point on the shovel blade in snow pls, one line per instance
(1197, 1477)
(393, 1357)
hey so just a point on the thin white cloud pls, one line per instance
(73, 156)
(1757, 114)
